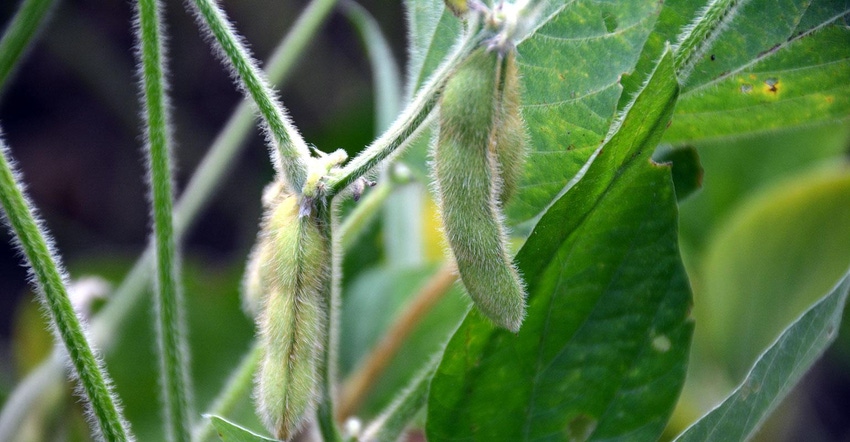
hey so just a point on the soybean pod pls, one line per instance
(290, 267)
(470, 167)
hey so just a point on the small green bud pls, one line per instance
(290, 269)
(469, 180)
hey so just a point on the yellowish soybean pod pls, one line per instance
(292, 266)
(469, 183)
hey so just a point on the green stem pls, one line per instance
(327, 360)
(402, 131)
(203, 184)
(20, 33)
(292, 154)
(54, 296)
(173, 351)
(699, 35)
(237, 387)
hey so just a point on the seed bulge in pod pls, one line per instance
(468, 184)
(293, 266)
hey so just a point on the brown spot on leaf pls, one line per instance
(772, 84)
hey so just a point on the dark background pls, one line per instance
(70, 114)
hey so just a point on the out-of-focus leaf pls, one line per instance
(770, 261)
(685, 167)
(602, 353)
(371, 304)
(775, 372)
(230, 432)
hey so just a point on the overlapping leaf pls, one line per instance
(775, 373)
(571, 68)
(777, 64)
(603, 350)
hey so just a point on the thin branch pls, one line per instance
(291, 154)
(360, 383)
(171, 335)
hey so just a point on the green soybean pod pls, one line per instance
(293, 265)
(510, 134)
(469, 185)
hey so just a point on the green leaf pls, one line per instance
(754, 78)
(571, 69)
(685, 167)
(230, 432)
(805, 81)
(788, 243)
(775, 373)
(603, 351)
(759, 29)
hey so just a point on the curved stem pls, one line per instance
(291, 154)
(53, 295)
(401, 131)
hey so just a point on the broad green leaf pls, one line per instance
(778, 63)
(805, 81)
(789, 243)
(571, 69)
(775, 373)
(433, 31)
(674, 15)
(602, 353)
(759, 29)
(230, 432)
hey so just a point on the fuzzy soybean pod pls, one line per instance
(510, 133)
(292, 264)
(469, 186)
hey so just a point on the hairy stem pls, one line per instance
(360, 383)
(20, 33)
(699, 35)
(173, 351)
(203, 184)
(54, 296)
(291, 154)
(402, 130)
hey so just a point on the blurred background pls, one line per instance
(767, 234)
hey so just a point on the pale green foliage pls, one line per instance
(467, 172)
(291, 262)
